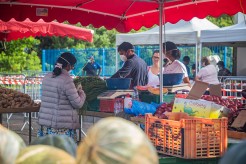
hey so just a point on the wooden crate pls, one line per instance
(191, 138)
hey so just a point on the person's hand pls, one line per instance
(80, 89)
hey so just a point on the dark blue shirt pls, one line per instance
(134, 68)
(188, 70)
(91, 69)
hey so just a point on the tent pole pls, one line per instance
(200, 57)
(116, 59)
(196, 56)
(161, 6)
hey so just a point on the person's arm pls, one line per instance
(124, 71)
(186, 76)
(76, 99)
(199, 75)
(197, 78)
(186, 80)
(99, 71)
(84, 69)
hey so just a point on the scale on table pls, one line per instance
(174, 88)
(112, 94)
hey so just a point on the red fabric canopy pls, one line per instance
(123, 15)
(13, 30)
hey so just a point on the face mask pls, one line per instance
(123, 58)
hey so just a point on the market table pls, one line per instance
(98, 114)
(28, 110)
(93, 114)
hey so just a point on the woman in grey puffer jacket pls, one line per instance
(60, 99)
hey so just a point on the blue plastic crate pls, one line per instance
(172, 79)
(118, 83)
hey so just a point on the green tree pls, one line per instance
(20, 55)
(222, 21)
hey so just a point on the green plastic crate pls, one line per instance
(175, 160)
(149, 97)
(93, 105)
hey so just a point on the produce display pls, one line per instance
(59, 141)
(92, 86)
(115, 140)
(40, 154)
(156, 91)
(10, 98)
(234, 106)
(162, 109)
(11, 145)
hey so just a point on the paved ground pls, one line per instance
(17, 121)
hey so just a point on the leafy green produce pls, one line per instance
(92, 86)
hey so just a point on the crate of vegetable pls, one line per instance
(92, 86)
(190, 138)
(233, 106)
(12, 101)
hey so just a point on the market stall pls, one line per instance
(16, 102)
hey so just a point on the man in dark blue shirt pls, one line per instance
(134, 67)
(92, 68)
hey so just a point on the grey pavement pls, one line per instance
(17, 121)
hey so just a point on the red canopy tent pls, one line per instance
(124, 15)
(13, 30)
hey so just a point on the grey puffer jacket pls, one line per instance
(59, 102)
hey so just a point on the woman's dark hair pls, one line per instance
(155, 51)
(63, 61)
(205, 60)
(176, 54)
(170, 46)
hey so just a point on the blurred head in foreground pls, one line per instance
(116, 140)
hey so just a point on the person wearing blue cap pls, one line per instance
(91, 68)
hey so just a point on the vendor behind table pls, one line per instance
(134, 67)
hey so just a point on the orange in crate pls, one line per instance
(191, 138)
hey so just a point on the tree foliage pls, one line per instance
(222, 21)
(25, 54)
(19, 56)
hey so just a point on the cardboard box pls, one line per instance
(240, 121)
(197, 108)
(197, 90)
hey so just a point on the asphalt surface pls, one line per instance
(17, 121)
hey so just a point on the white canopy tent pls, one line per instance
(234, 35)
(183, 32)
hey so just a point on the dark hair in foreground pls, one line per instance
(63, 61)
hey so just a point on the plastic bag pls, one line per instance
(140, 108)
